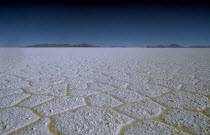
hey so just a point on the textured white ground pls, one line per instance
(110, 91)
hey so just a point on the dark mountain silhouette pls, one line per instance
(166, 46)
(62, 45)
(176, 46)
(199, 46)
(88, 45)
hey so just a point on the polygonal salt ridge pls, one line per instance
(14, 118)
(141, 110)
(207, 112)
(2, 80)
(197, 88)
(9, 92)
(82, 93)
(204, 77)
(100, 87)
(160, 76)
(9, 78)
(149, 90)
(39, 128)
(135, 76)
(205, 82)
(3, 73)
(113, 72)
(103, 100)
(30, 74)
(80, 82)
(168, 84)
(78, 85)
(69, 75)
(59, 105)
(184, 100)
(90, 121)
(184, 78)
(35, 100)
(13, 99)
(14, 85)
(195, 122)
(50, 89)
(48, 80)
(116, 83)
(96, 76)
(151, 127)
(137, 80)
(126, 95)
(203, 74)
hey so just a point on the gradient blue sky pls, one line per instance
(104, 25)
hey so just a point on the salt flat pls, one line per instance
(104, 91)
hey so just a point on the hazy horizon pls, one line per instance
(91, 45)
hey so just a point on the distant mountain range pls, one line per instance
(176, 46)
(61, 45)
(88, 45)
(199, 46)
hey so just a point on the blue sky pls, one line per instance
(131, 25)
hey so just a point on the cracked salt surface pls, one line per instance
(35, 100)
(151, 127)
(140, 110)
(14, 118)
(13, 99)
(104, 91)
(51, 89)
(39, 128)
(101, 87)
(83, 93)
(103, 100)
(197, 88)
(9, 92)
(184, 100)
(208, 112)
(90, 121)
(14, 85)
(59, 105)
(149, 90)
(195, 122)
(126, 95)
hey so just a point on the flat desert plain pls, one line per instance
(104, 91)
